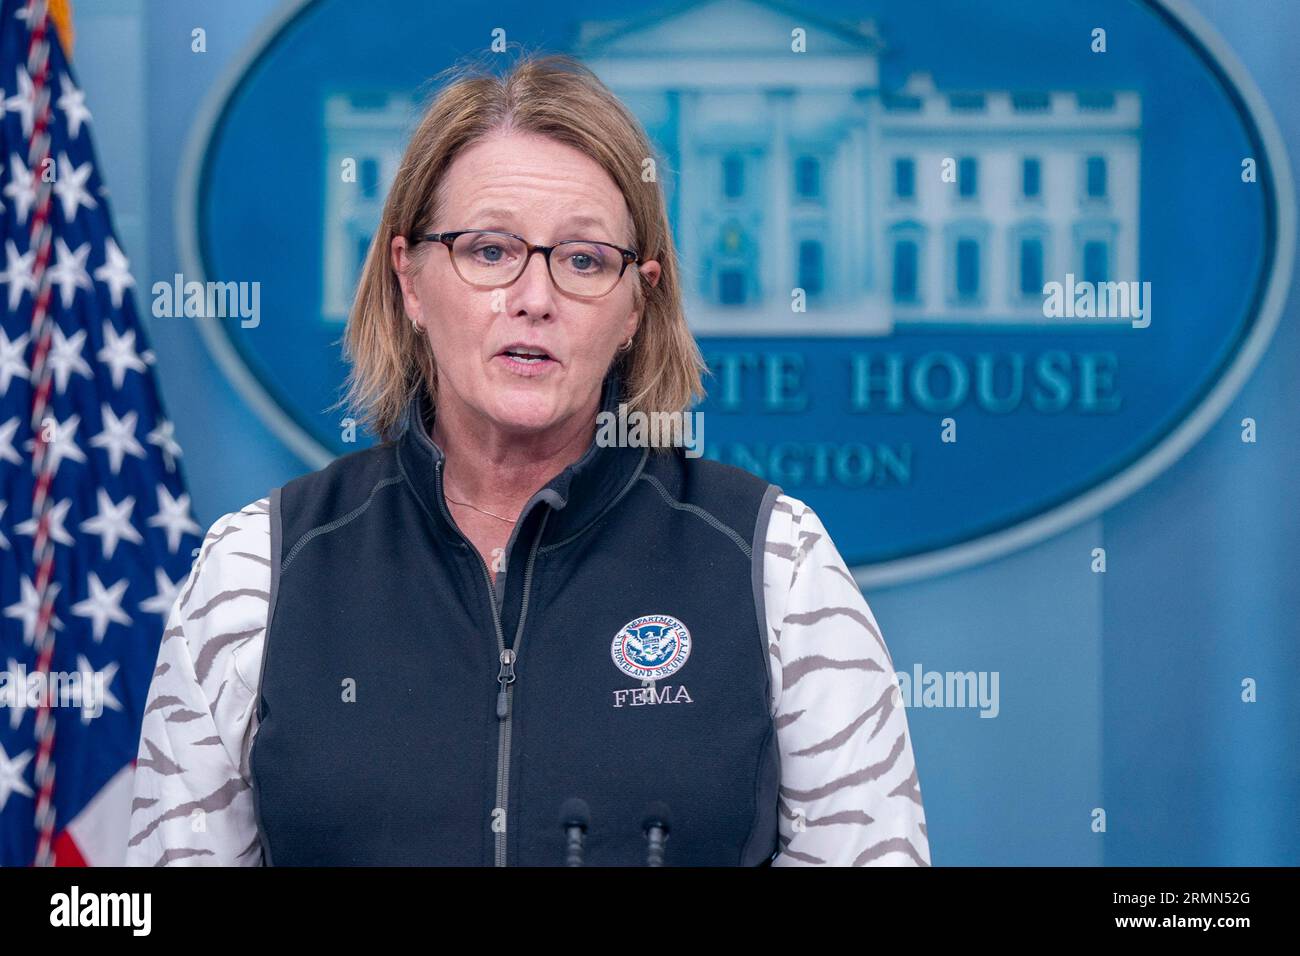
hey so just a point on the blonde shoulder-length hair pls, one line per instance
(554, 96)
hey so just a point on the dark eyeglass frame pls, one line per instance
(630, 256)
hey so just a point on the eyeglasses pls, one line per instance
(490, 259)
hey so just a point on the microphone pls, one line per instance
(655, 824)
(575, 817)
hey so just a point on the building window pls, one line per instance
(808, 177)
(967, 177)
(1096, 177)
(731, 287)
(1095, 242)
(810, 266)
(370, 178)
(904, 178)
(733, 177)
(906, 270)
(1101, 100)
(1031, 178)
(901, 103)
(1029, 259)
(1030, 101)
(1096, 257)
(965, 102)
(1031, 266)
(968, 268)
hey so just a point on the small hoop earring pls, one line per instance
(626, 345)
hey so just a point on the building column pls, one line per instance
(779, 247)
(861, 247)
(687, 185)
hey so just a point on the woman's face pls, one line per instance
(545, 192)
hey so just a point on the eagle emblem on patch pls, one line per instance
(652, 647)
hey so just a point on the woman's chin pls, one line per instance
(526, 414)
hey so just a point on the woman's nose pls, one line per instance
(533, 292)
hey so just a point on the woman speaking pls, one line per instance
(493, 639)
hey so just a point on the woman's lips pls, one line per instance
(540, 365)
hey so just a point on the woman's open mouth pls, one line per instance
(526, 360)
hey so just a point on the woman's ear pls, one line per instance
(650, 269)
(399, 252)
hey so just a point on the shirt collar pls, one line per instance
(576, 496)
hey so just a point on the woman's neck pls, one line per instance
(499, 471)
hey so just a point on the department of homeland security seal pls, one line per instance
(651, 647)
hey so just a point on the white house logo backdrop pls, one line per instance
(964, 274)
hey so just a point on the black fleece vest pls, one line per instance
(392, 728)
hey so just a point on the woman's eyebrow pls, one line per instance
(583, 220)
(493, 212)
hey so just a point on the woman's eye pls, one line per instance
(490, 253)
(587, 261)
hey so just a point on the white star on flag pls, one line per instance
(118, 437)
(90, 680)
(7, 452)
(103, 605)
(65, 358)
(17, 701)
(21, 187)
(173, 514)
(70, 187)
(58, 534)
(119, 353)
(112, 522)
(28, 608)
(63, 444)
(24, 102)
(161, 603)
(12, 362)
(73, 104)
(11, 775)
(69, 272)
(18, 274)
(115, 272)
(162, 437)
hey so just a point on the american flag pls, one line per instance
(96, 534)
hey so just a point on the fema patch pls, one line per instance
(651, 647)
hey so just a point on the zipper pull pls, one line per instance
(506, 675)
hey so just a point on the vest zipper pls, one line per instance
(506, 672)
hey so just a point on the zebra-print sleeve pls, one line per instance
(192, 799)
(849, 790)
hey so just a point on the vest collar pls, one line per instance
(576, 496)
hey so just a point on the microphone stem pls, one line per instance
(655, 851)
(573, 852)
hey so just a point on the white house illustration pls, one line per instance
(791, 171)
(367, 133)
